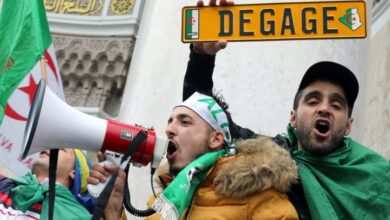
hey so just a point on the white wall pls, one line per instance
(258, 79)
(376, 133)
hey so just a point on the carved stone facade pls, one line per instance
(121, 7)
(94, 69)
(79, 7)
(90, 7)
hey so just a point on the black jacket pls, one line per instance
(199, 77)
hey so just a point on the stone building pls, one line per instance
(94, 42)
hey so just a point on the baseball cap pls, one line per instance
(334, 72)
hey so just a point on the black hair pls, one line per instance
(236, 131)
(219, 99)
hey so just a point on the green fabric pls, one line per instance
(29, 192)
(177, 196)
(24, 35)
(351, 183)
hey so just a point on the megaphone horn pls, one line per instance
(54, 124)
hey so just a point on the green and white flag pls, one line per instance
(192, 24)
(351, 19)
(24, 36)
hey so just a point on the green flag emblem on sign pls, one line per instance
(351, 19)
(24, 36)
(192, 24)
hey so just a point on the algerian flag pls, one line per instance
(351, 19)
(24, 36)
(24, 45)
(192, 24)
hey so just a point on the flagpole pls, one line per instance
(43, 69)
(53, 157)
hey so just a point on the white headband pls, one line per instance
(209, 110)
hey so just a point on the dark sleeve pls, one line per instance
(296, 196)
(199, 74)
(283, 142)
(199, 77)
(239, 132)
(6, 184)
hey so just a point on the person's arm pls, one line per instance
(199, 74)
(114, 209)
(99, 174)
(199, 78)
(200, 68)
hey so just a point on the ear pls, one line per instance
(71, 175)
(348, 128)
(216, 140)
(293, 118)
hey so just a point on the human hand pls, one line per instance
(114, 208)
(100, 174)
(211, 48)
(101, 171)
(200, 3)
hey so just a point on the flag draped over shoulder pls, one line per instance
(24, 36)
(352, 182)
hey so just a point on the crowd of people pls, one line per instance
(217, 169)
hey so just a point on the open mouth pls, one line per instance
(322, 126)
(172, 148)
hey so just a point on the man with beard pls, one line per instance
(26, 197)
(339, 178)
(206, 178)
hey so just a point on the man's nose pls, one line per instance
(324, 108)
(170, 130)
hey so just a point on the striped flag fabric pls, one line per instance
(24, 40)
(192, 24)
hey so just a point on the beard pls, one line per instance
(320, 147)
(189, 157)
(176, 170)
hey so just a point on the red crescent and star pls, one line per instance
(30, 91)
(350, 20)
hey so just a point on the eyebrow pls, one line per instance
(334, 96)
(339, 97)
(180, 116)
(312, 94)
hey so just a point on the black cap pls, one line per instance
(333, 72)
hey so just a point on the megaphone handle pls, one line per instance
(111, 158)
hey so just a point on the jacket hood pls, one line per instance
(260, 165)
